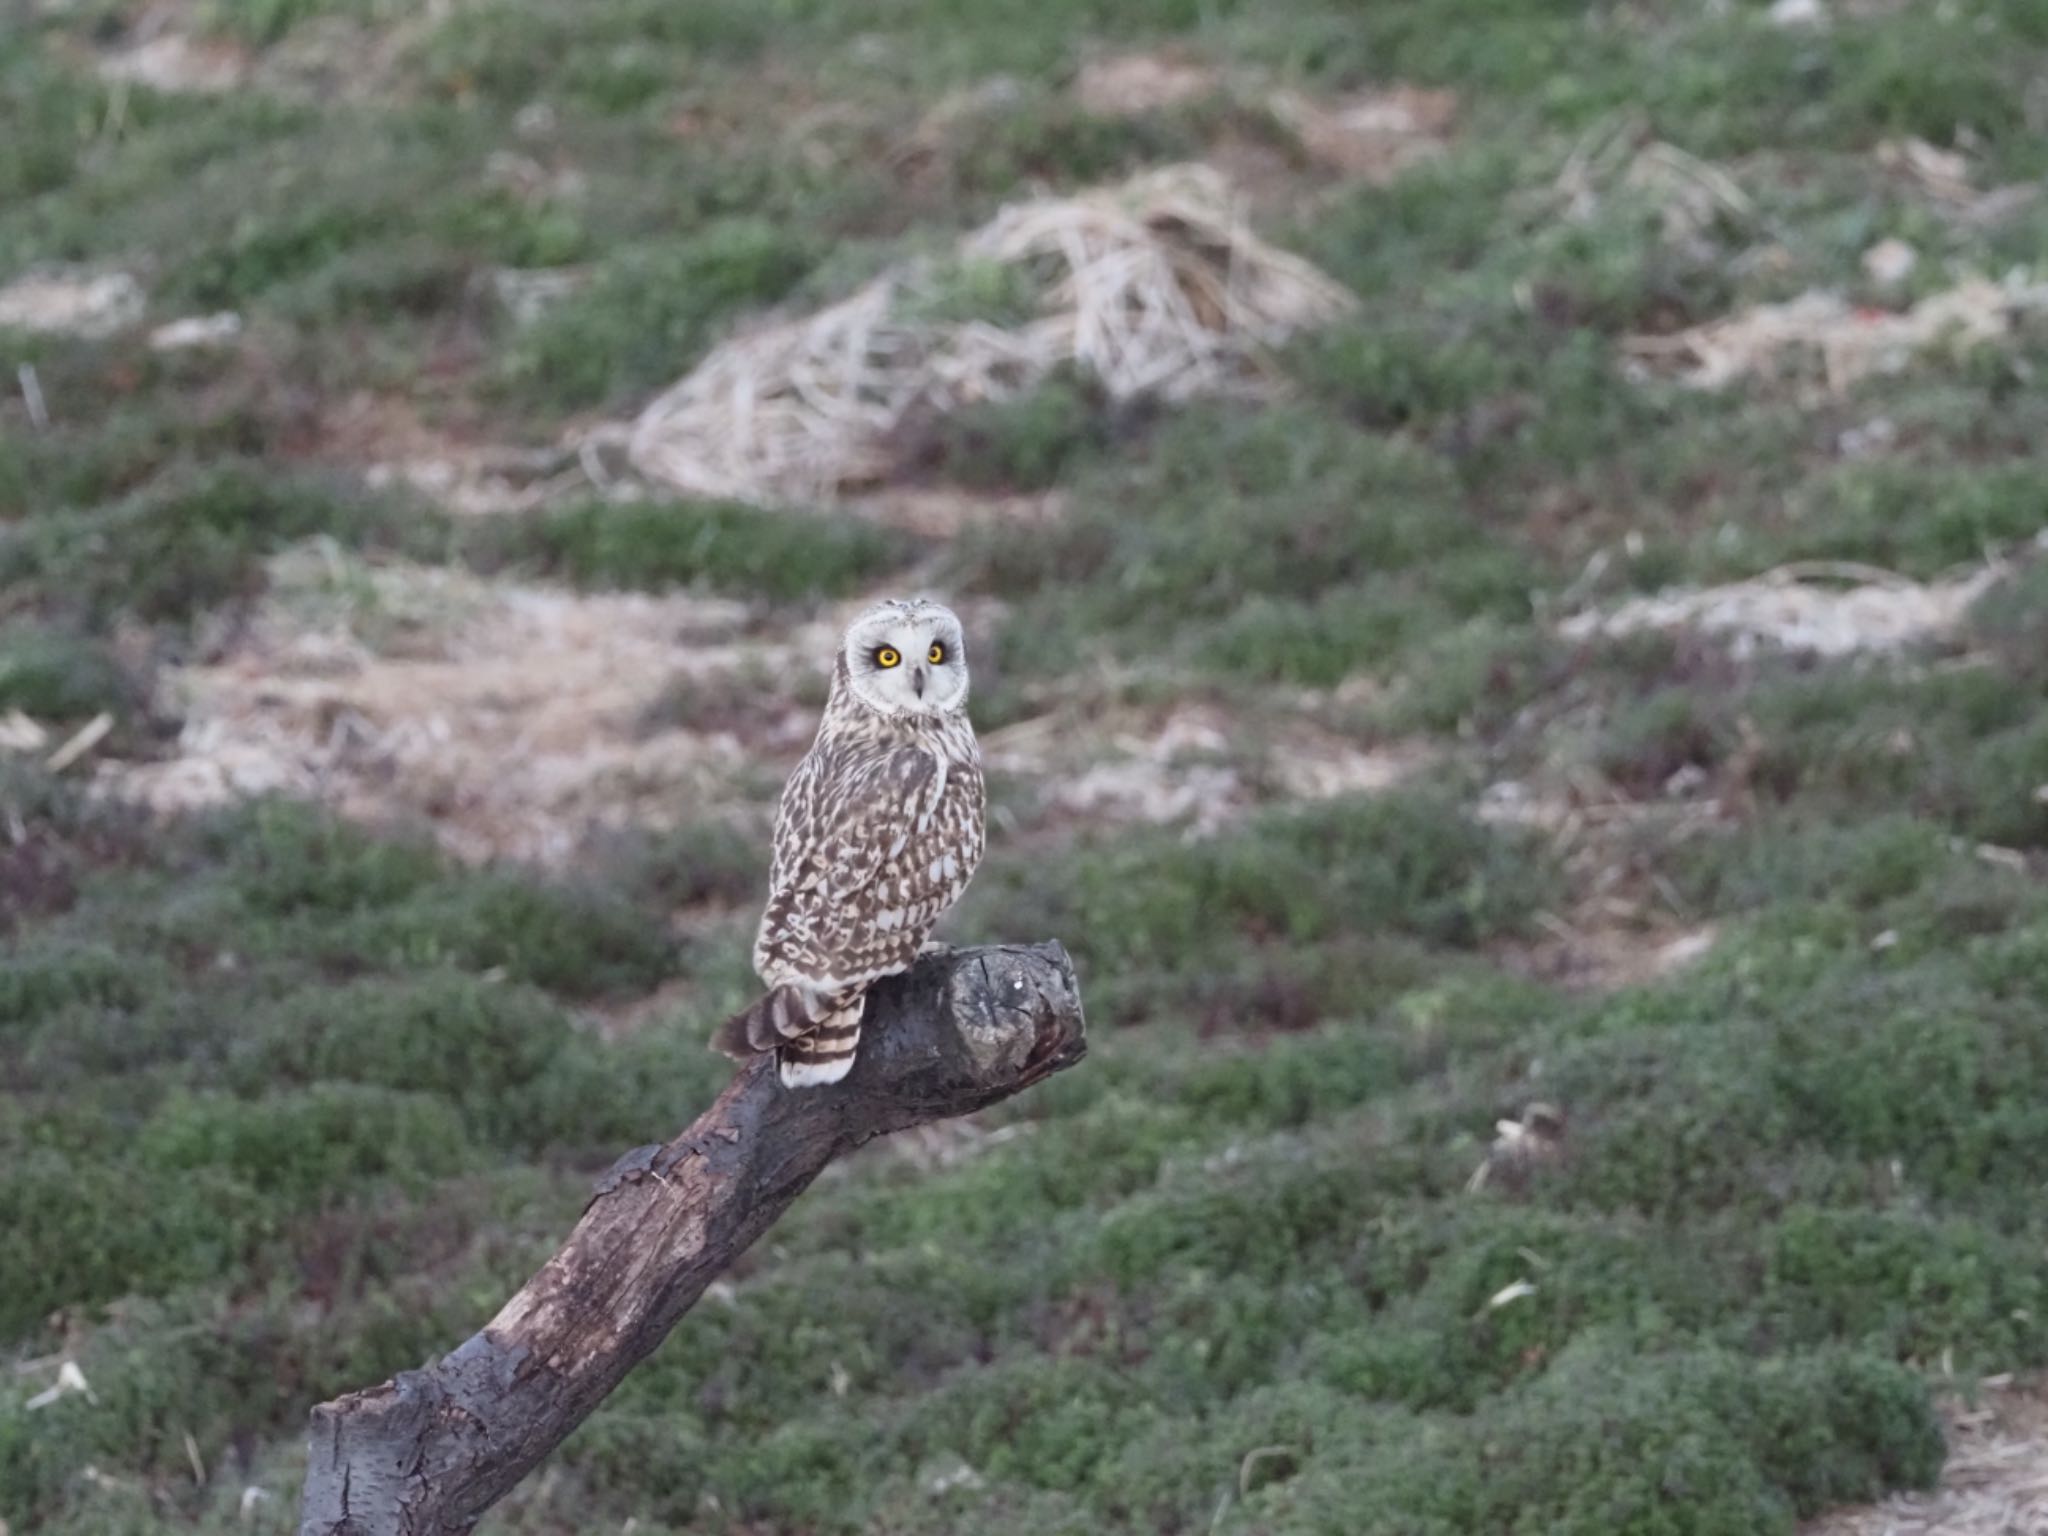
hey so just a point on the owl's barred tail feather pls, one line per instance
(809, 1051)
(779, 1014)
(825, 1055)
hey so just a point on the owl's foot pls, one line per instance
(933, 947)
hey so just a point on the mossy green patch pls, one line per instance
(647, 314)
(724, 546)
(198, 542)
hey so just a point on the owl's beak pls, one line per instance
(917, 682)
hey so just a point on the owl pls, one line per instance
(879, 830)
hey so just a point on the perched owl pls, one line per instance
(879, 830)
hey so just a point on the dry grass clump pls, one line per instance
(1852, 342)
(1157, 287)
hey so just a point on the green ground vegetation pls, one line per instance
(287, 1104)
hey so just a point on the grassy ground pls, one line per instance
(287, 1103)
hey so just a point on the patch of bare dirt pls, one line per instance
(348, 58)
(74, 301)
(1860, 609)
(1994, 1484)
(1593, 952)
(1193, 765)
(1266, 169)
(387, 442)
(172, 61)
(1618, 923)
(1372, 136)
(197, 331)
(537, 723)
(166, 47)
(478, 482)
(172, 46)
(1132, 84)
(940, 512)
(923, 157)
(518, 721)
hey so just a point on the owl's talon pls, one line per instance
(933, 947)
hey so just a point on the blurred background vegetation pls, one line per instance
(1722, 950)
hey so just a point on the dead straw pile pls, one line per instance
(1157, 287)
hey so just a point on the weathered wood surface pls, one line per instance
(430, 1451)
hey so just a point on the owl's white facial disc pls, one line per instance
(906, 658)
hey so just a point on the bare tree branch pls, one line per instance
(429, 1452)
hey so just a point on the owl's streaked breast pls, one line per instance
(881, 830)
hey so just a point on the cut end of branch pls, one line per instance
(964, 1028)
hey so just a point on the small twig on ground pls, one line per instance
(32, 396)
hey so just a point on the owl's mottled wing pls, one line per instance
(962, 820)
(841, 909)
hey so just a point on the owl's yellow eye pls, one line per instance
(888, 656)
(936, 655)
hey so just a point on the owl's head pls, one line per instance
(907, 657)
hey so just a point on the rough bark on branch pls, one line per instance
(428, 1452)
